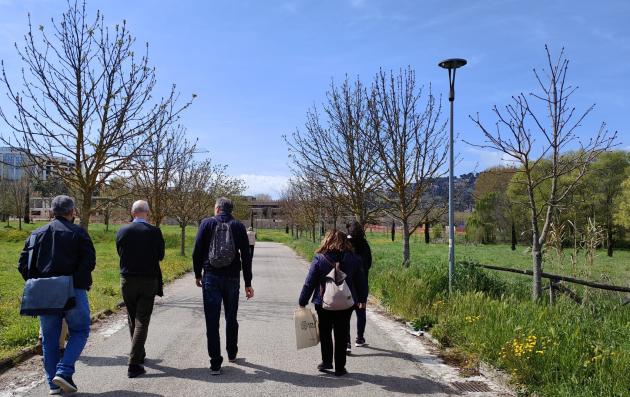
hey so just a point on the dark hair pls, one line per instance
(355, 230)
(225, 205)
(334, 241)
(62, 205)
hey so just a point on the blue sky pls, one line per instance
(257, 65)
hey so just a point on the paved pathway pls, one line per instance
(394, 363)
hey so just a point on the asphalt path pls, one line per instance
(394, 362)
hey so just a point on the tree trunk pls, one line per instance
(537, 268)
(313, 230)
(393, 230)
(86, 210)
(19, 223)
(427, 233)
(106, 215)
(182, 250)
(406, 256)
(609, 236)
(513, 236)
(27, 206)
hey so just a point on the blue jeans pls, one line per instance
(78, 319)
(217, 289)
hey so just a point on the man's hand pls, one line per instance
(198, 282)
(249, 292)
(361, 305)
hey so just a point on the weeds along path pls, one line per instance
(394, 362)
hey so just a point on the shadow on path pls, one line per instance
(118, 393)
(234, 374)
(380, 352)
(414, 385)
(231, 373)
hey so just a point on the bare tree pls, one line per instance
(85, 104)
(188, 197)
(336, 146)
(117, 193)
(304, 196)
(19, 191)
(153, 169)
(411, 148)
(5, 201)
(518, 126)
(196, 185)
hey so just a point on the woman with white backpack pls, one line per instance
(335, 282)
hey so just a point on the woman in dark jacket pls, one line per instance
(335, 248)
(361, 248)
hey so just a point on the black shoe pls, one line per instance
(65, 383)
(360, 342)
(341, 372)
(349, 348)
(324, 367)
(135, 370)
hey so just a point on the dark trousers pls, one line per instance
(335, 322)
(361, 320)
(138, 294)
(251, 250)
(217, 290)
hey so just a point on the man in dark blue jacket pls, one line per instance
(62, 249)
(221, 251)
(141, 248)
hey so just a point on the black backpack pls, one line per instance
(222, 247)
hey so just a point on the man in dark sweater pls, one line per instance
(221, 251)
(141, 248)
(62, 248)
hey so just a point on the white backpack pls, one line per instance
(336, 294)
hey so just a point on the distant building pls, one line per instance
(15, 164)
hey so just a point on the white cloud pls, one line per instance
(477, 159)
(269, 184)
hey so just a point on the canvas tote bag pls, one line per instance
(306, 328)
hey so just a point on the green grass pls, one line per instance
(17, 332)
(561, 350)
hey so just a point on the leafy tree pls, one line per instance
(606, 179)
(496, 181)
(622, 213)
(482, 225)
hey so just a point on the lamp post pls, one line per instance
(452, 65)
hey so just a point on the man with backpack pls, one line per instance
(221, 251)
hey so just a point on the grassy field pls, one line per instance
(561, 350)
(17, 332)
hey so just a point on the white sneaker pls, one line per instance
(56, 391)
(215, 371)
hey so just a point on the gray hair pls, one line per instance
(62, 205)
(225, 205)
(140, 206)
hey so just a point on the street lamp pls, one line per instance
(452, 65)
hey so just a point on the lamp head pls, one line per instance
(452, 63)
